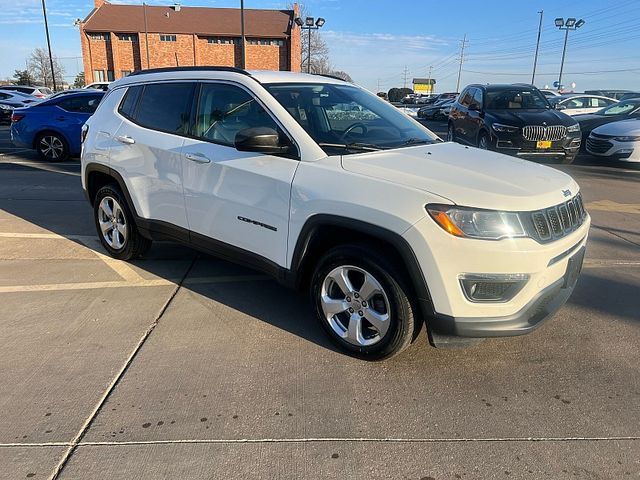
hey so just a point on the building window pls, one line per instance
(167, 38)
(100, 36)
(125, 73)
(110, 76)
(98, 76)
(127, 37)
(266, 41)
(224, 40)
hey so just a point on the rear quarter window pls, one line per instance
(130, 102)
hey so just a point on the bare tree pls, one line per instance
(40, 68)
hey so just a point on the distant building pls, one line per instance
(423, 85)
(114, 37)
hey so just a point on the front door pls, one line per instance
(237, 198)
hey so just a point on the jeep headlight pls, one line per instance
(573, 128)
(477, 223)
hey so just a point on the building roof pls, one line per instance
(198, 20)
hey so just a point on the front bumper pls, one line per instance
(443, 258)
(528, 318)
(602, 146)
(516, 144)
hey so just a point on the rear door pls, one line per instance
(73, 113)
(238, 198)
(468, 117)
(146, 150)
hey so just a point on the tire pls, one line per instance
(345, 315)
(484, 142)
(451, 133)
(123, 242)
(52, 147)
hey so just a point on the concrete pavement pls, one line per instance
(180, 365)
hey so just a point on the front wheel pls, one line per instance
(483, 142)
(362, 304)
(115, 225)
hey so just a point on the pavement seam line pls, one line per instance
(616, 235)
(215, 441)
(89, 420)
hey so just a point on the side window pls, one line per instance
(84, 104)
(3, 96)
(166, 107)
(466, 97)
(224, 110)
(130, 101)
(575, 103)
(477, 98)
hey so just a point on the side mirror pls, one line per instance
(557, 106)
(261, 140)
(474, 107)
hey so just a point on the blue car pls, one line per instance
(53, 127)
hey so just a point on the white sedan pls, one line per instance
(616, 140)
(578, 104)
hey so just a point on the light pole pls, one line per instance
(309, 24)
(570, 24)
(46, 29)
(243, 61)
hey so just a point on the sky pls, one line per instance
(376, 40)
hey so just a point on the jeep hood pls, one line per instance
(467, 176)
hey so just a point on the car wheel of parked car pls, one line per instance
(52, 147)
(361, 303)
(116, 228)
(451, 133)
(483, 142)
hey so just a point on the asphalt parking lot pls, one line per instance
(182, 366)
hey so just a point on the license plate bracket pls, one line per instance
(574, 267)
(543, 144)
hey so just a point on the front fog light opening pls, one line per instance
(492, 287)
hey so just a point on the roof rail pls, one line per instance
(191, 69)
(328, 75)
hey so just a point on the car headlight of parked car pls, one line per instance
(4, 107)
(573, 128)
(476, 223)
(500, 127)
(635, 138)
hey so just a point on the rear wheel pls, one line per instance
(361, 303)
(115, 225)
(52, 147)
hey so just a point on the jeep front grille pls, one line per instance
(553, 133)
(557, 221)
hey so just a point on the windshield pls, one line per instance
(347, 119)
(515, 99)
(622, 108)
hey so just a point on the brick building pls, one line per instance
(114, 39)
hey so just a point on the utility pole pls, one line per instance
(429, 81)
(378, 86)
(243, 61)
(146, 32)
(405, 74)
(46, 29)
(535, 59)
(462, 47)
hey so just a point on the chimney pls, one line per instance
(99, 3)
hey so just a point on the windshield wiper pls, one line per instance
(415, 141)
(362, 147)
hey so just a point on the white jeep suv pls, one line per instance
(329, 188)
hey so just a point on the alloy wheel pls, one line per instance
(355, 305)
(450, 134)
(113, 223)
(483, 143)
(51, 147)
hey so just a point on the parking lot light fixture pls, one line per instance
(309, 23)
(569, 24)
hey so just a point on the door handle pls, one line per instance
(197, 157)
(125, 139)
